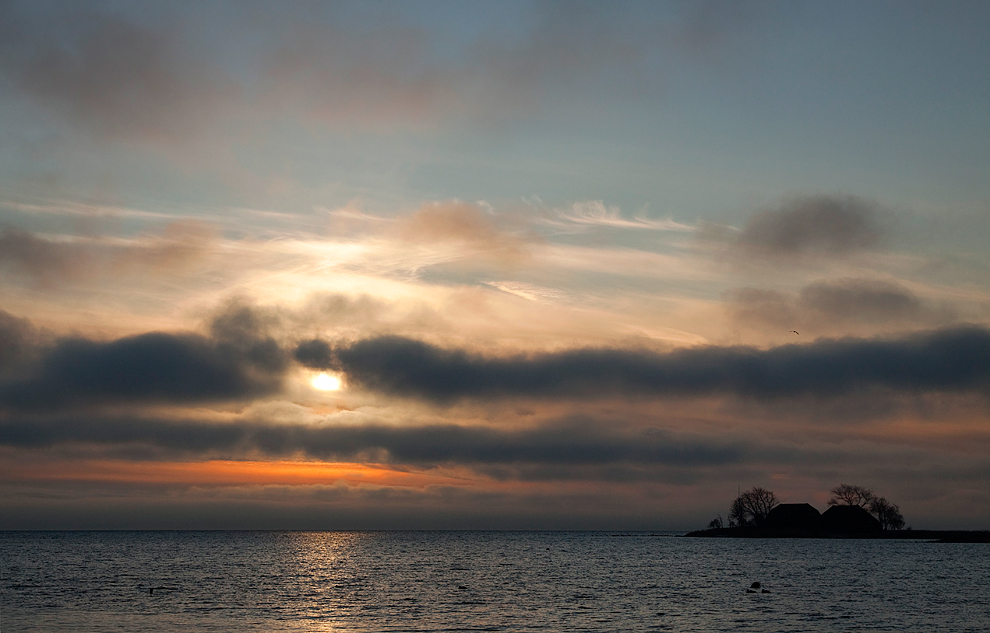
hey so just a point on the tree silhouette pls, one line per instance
(845, 494)
(752, 507)
(887, 513)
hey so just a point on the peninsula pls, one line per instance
(853, 512)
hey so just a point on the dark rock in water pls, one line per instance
(765, 591)
(755, 585)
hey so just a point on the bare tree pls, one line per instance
(738, 516)
(887, 513)
(716, 523)
(844, 494)
(752, 507)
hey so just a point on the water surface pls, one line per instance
(483, 581)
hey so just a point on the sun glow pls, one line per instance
(236, 473)
(326, 382)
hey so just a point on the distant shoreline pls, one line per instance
(938, 536)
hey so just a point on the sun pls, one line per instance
(326, 382)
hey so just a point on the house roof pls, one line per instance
(849, 520)
(793, 516)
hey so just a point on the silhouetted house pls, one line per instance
(795, 518)
(849, 520)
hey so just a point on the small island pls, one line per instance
(853, 512)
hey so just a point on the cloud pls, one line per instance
(596, 213)
(41, 260)
(53, 260)
(825, 225)
(119, 75)
(709, 25)
(112, 76)
(530, 292)
(952, 359)
(315, 354)
(181, 244)
(18, 341)
(352, 316)
(569, 442)
(153, 367)
(460, 223)
(824, 305)
(403, 74)
(762, 307)
(867, 299)
(236, 362)
(332, 74)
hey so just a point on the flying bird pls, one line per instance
(796, 332)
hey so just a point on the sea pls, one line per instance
(484, 581)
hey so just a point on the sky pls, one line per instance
(490, 265)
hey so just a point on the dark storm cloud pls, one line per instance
(315, 354)
(153, 367)
(956, 359)
(568, 442)
(148, 367)
(813, 224)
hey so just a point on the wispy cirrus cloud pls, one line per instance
(595, 213)
(462, 223)
(530, 292)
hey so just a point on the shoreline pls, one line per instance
(935, 536)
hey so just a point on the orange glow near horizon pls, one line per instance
(231, 473)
